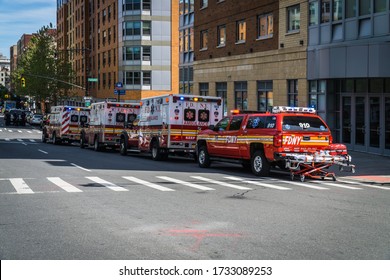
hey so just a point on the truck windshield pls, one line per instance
(303, 123)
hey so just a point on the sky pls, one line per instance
(18, 17)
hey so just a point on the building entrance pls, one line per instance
(365, 122)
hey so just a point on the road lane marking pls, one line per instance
(32, 140)
(19, 140)
(337, 185)
(63, 185)
(20, 186)
(148, 184)
(7, 139)
(364, 185)
(107, 184)
(43, 152)
(10, 130)
(220, 183)
(306, 185)
(19, 131)
(82, 168)
(180, 182)
(28, 131)
(257, 183)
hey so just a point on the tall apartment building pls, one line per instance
(186, 46)
(251, 53)
(13, 50)
(4, 71)
(134, 42)
(148, 52)
(349, 71)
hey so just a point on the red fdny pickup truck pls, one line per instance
(293, 138)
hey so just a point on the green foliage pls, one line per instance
(45, 72)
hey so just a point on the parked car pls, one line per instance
(36, 119)
(17, 117)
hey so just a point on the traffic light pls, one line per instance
(23, 82)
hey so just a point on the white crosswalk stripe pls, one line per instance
(364, 185)
(107, 184)
(32, 140)
(63, 185)
(338, 185)
(7, 139)
(20, 186)
(148, 184)
(20, 131)
(220, 183)
(306, 185)
(184, 183)
(257, 183)
(28, 131)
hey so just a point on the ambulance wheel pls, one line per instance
(82, 141)
(156, 152)
(302, 177)
(203, 157)
(96, 145)
(123, 147)
(259, 164)
(44, 140)
(55, 139)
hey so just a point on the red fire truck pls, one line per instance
(169, 124)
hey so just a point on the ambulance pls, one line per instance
(169, 124)
(65, 124)
(108, 120)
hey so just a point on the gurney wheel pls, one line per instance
(353, 170)
(322, 177)
(334, 177)
(302, 177)
(292, 177)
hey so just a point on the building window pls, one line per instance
(241, 31)
(203, 39)
(221, 35)
(350, 8)
(132, 53)
(146, 4)
(313, 13)
(241, 95)
(325, 11)
(265, 27)
(132, 5)
(147, 78)
(146, 53)
(292, 93)
(317, 97)
(265, 96)
(203, 89)
(294, 18)
(132, 28)
(364, 7)
(337, 10)
(222, 92)
(380, 6)
(132, 78)
(146, 28)
(204, 3)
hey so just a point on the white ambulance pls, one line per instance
(65, 124)
(108, 120)
(169, 124)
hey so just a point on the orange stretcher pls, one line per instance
(316, 165)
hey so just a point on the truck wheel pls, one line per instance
(203, 157)
(123, 147)
(156, 151)
(259, 164)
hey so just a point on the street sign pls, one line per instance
(120, 91)
(118, 85)
(92, 80)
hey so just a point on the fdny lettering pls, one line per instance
(189, 105)
(292, 140)
(203, 105)
(231, 139)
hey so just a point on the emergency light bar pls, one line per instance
(286, 109)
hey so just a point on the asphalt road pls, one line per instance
(63, 202)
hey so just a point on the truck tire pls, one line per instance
(156, 152)
(123, 147)
(259, 164)
(203, 157)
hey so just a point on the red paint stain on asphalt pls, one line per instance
(199, 235)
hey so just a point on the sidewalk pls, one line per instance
(370, 168)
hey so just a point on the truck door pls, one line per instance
(231, 137)
(216, 143)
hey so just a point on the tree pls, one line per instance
(47, 75)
